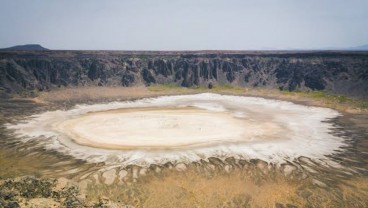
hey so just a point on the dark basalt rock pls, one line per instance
(148, 77)
(344, 73)
(12, 191)
(210, 85)
(128, 80)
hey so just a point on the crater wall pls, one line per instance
(344, 73)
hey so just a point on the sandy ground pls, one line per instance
(71, 96)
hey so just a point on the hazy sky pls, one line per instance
(184, 24)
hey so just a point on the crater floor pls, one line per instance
(152, 152)
(186, 128)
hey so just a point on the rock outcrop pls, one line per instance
(343, 73)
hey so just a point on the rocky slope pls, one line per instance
(343, 73)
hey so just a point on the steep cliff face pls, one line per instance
(338, 72)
